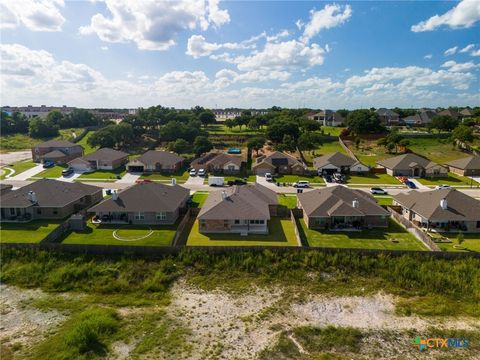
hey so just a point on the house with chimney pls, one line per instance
(47, 199)
(440, 210)
(238, 210)
(58, 151)
(339, 207)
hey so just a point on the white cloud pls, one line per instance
(467, 48)
(428, 56)
(458, 67)
(330, 16)
(226, 77)
(475, 53)
(36, 15)
(154, 25)
(451, 51)
(104, 48)
(197, 46)
(464, 15)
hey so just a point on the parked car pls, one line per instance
(328, 178)
(339, 178)
(202, 172)
(68, 171)
(268, 177)
(443, 186)
(301, 184)
(193, 172)
(237, 182)
(410, 184)
(378, 191)
(48, 164)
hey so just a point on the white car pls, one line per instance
(202, 172)
(443, 186)
(301, 184)
(268, 177)
(378, 191)
(193, 172)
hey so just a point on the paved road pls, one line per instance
(14, 156)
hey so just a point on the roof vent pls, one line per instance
(444, 204)
(224, 195)
(355, 203)
(32, 197)
(114, 195)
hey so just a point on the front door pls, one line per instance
(416, 172)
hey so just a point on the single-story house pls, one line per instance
(469, 166)
(338, 162)
(58, 151)
(278, 163)
(156, 161)
(238, 209)
(466, 113)
(387, 116)
(218, 163)
(339, 207)
(144, 203)
(47, 199)
(422, 117)
(443, 209)
(454, 114)
(412, 165)
(102, 159)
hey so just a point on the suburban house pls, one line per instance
(442, 210)
(327, 117)
(278, 163)
(47, 199)
(466, 113)
(339, 207)
(218, 163)
(4, 188)
(387, 116)
(144, 203)
(450, 112)
(412, 165)
(102, 159)
(338, 162)
(58, 151)
(158, 161)
(422, 117)
(469, 166)
(238, 209)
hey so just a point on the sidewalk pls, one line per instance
(27, 174)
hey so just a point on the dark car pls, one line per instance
(48, 164)
(410, 185)
(67, 171)
(328, 178)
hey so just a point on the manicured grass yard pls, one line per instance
(281, 234)
(87, 148)
(181, 176)
(31, 232)
(325, 148)
(103, 235)
(288, 200)
(471, 242)
(53, 172)
(19, 167)
(332, 130)
(221, 129)
(314, 180)
(384, 199)
(372, 179)
(452, 179)
(199, 198)
(251, 178)
(104, 174)
(367, 239)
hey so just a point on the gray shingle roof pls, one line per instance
(50, 193)
(427, 204)
(165, 158)
(337, 159)
(406, 161)
(217, 159)
(338, 201)
(105, 154)
(386, 112)
(145, 197)
(248, 202)
(468, 163)
(54, 154)
(56, 143)
(276, 155)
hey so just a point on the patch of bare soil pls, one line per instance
(242, 326)
(22, 325)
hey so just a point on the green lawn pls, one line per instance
(103, 235)
(436, 149)
(220, 129)
(314, 180)
(199, 198)
(31, 232)
(372, 179)
(452, 179)
(367, 239)
(281, 234)
(384, 199)
(87, 148)
(12, 142)
(19, 167)
(325, 148)
(181, 176)
(251, 178)
(105, 174)
(471, 242)
(332, 130)
(288, 200)
(53, 172)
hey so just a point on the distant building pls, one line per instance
(327, 117)
(156, 161)
(422, 117)
(218, 163)
(338, 162)
(388, 117)
(279, 163)
(102, 159)
(58, 151)
(454, 114)
(223, 114)
(37, 111)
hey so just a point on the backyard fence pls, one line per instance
(346, 148)
(191, 213)
(56, 233)
(295, 228)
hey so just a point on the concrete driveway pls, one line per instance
(70, 178)
(28, 173)
(419, 185)
(14, 156)
(194, 180)
(129, 178)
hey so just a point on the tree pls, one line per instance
(179, 146)
(253, 124)
(206, 118)
(404, 143)
(460, 238)
(288, 142)
(309, 141)
(40, 128)
(14, 123)
(256, 143)
(241, 121)
(364, 121)
(55, 117)
(276, 130)
(201, 145)
(463, 133)
(358, 140)
(112, 136)
(230, 123)
(443, 123)
(82, 118)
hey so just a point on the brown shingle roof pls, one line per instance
(406, 161)
(56, 143)
(248, 202)
(468, 163)
(145, 197)
(55, 154)
(273, 157)
(165, 158)
(50, 193)
(338, 200)
(337, 159)
(105, 154)
(427, 204)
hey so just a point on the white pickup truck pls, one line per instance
(216, 180)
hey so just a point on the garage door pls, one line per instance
(262, 171)
(135, 168)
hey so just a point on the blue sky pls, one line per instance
(240, 53)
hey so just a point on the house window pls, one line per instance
(252, 221)
(225, 223)
(12, 211)
(237, 222)
(161, 216)
(202, 222)
(139, 216)
(39, 211)
(478, 224)
(55, 212)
